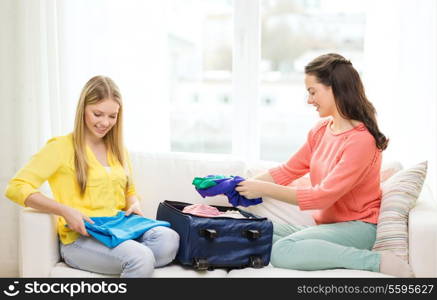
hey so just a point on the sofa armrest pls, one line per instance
(422, 235)
(38, 243)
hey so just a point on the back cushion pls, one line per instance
(169, 176)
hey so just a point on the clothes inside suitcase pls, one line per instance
(219, 242)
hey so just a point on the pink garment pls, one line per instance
(344, 171)
(202, 210)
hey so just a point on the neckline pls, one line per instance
(93, 156)
(359, 126)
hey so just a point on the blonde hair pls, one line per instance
(95, 90)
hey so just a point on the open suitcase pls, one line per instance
(219, 242)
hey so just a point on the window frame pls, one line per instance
(246, 79)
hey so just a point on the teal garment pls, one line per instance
(328, 246)
(208, 181)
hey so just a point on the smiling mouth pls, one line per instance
(101, 130)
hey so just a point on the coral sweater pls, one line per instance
(344, 171)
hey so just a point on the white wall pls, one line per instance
(400, 78)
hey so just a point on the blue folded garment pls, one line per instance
(112, 231)
(227, 186)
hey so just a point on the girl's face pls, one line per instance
(320, 96)
(101, 117)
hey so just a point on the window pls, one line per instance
(200, 59)
(293, 32)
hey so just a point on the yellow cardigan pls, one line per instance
(105, 194)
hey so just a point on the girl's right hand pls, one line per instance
(74, 219)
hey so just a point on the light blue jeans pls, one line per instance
(328, 246)
(133, 258)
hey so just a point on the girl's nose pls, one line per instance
(310, 99)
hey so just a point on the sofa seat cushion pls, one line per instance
(62, 270)
(271, 272)
(178, 271)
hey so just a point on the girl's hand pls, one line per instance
(74, 219)
(134, 207)
(251, 188)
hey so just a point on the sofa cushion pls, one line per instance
(270, 271)
(399, 195)
(169, 176)
(178, 271)
(62, 270)
(389, 168)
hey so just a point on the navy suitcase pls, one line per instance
(219, 242)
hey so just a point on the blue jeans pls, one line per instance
(133, 258)
(338, 245)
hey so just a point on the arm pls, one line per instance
(73, 217)
(133, 206)
(23, 188)
(41, 166)
(264, 177)
(132, 201)
(359, 155)
(272, 183)
(253, 188)
(357, 159)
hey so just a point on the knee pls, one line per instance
(140, 263)
(282, 253)
(169, 246)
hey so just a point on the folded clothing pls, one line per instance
(205, 210)
(112, 231)
(213, 185)
(202, 210)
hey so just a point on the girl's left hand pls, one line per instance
(251, 188)
(134, 207)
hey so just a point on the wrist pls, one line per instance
(132, 200)
(268, 189)
(62, 210)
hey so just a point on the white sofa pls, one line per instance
(168, 176)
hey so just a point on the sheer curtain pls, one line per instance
(30, 99)
(49, 49)
(400, 78)
(124, 40)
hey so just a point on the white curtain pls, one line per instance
(30, 99)
(127, 41)
(48, 50)
(31, 103)
(400, 78)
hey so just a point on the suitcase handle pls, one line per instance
(252, 234)
(210, 234)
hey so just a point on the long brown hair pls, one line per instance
(95, 90)
(335, 71)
